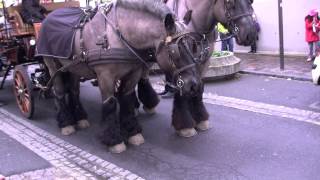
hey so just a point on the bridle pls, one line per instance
(232, 18)
(171, 43)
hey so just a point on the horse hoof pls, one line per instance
(68, 130)
(136, 112)
(149, 110)
(136, 139)
(83, 124)
(118, 148)
(203, 125)
(188, 132)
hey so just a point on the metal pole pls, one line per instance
(281, 49)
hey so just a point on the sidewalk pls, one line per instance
(295, 67)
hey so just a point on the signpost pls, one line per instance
(281, 49)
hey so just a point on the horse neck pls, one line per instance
(203, 20)
(93, 30)
(141, 29)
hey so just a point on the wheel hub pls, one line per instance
(20, 91)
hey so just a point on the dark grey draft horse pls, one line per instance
(189, 112)
(115, 46)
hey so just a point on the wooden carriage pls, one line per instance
(17, 48)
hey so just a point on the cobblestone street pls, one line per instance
(233, 114)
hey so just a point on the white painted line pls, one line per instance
(258, 107)
(64, 156)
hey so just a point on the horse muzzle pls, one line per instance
(189, 86)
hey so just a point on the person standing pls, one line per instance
(253, 46)
(312, 26)
(168, 90)
(226, 38)
(318, 44)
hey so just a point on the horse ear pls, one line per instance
(170, 24)
(187, 17)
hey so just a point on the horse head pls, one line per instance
(175, 56)
(236, 15)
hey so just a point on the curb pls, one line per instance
(283, 76)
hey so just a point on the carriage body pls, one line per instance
(17, 50)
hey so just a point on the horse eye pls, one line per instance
(251, 1)
(230, 4)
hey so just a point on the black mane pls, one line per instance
(155, 7)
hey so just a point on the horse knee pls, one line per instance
(147, 94)
(110, 105)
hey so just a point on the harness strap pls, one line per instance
(116, 29)
(178, 71)
(113, 55)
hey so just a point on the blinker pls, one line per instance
(168, 39)
(174, 51)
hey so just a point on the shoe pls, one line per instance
(95, 82)
(163, 92)
(168, 95)
(309, 59)
(250, 51)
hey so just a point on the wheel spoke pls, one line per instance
(26, 95)
(27, 104)
(24, 106)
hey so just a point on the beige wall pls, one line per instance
(294, 12)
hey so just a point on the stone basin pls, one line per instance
(222, 66)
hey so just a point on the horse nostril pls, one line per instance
(194, 87)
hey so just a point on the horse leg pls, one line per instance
(111, 135)
(136, 103)
(147, 96)
(130, 127)
(64, 114)
(182, 119)
(78, 111)
(65, 118)
(199, 112)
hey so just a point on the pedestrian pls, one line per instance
(253, 47)
(2, 177)
(226, 38)
(312, 26)
(168, 91)
(32, 12)
(318, 44)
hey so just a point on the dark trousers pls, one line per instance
(312, 46)
(254, 47)
(167, 87)
(227, 45)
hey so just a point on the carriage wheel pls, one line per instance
(23, 91)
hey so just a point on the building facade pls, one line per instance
(294, 12)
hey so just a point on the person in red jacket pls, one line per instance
(312, 23)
